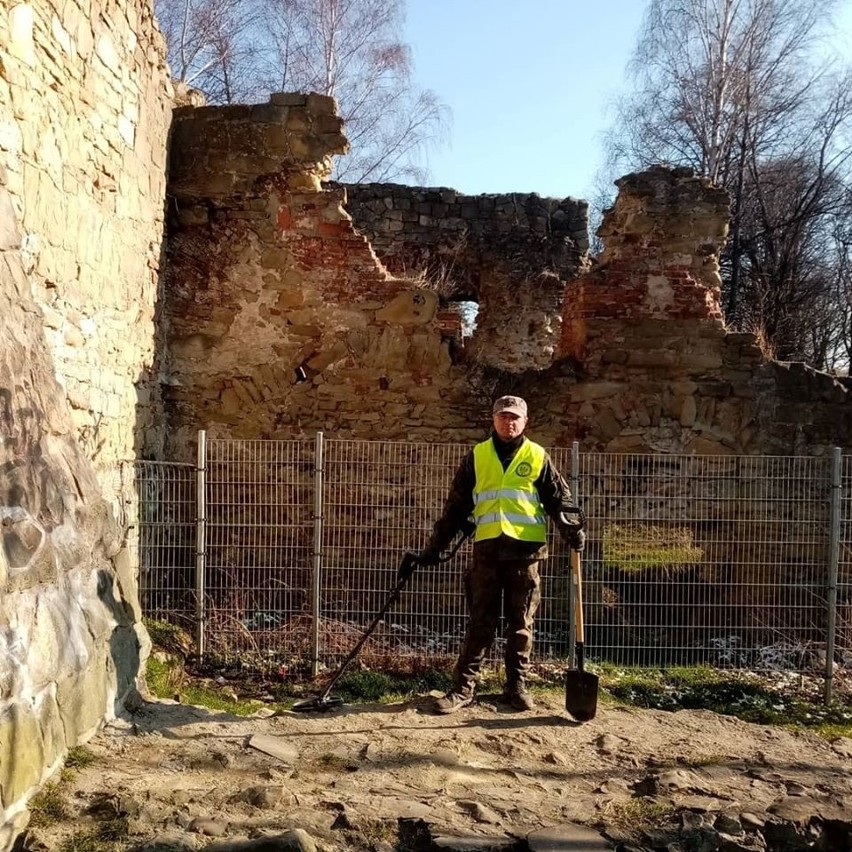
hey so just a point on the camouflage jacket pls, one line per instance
(552, 490)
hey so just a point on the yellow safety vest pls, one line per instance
(506, 502)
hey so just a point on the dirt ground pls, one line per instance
(187, 775)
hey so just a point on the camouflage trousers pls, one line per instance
(487, 582)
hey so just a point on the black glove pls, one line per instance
(571, 523)
(468, 527)
(573, 516)
(574, 538)
(407, 566)
(428, 556)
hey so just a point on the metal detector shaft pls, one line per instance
(392, 599)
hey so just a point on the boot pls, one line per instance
(520, 699)
(517, 696)
(453, 701)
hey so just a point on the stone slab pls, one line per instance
(568, 837)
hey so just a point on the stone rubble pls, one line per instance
(384, 776)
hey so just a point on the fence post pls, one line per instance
(833, 560)
(317, 562)
(200, 540)
(575, 493)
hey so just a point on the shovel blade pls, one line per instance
(581, 694)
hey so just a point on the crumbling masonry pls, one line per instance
(287, 305)
(630, 355)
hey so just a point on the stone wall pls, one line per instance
(659, 372)
(281, 320)
(84, 113)
(511, 254)
(284, 321)
(70, 637)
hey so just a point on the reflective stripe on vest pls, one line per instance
(507, 502)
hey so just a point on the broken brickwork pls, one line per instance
(659, 371)
(281, 320)
(350, 321)
(511, 254)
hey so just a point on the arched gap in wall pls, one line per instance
(468, 311)
(458, 318)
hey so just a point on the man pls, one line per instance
(507, 484)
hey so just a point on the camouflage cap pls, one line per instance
(512, 404)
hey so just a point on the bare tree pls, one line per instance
(351, 50)
(732, 89)
(709, 71)
(212, 46)
(793, 214)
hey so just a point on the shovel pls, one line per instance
(581, 687)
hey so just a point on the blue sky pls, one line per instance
(529, 83)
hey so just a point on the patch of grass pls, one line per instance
(47, 807)
(638, 547)
(637, 812)
(166, 679)
(210, 698)
(746, 696)
(372, 686)
(79, 757)
(105, 837)
(378, 831)
(168, 636)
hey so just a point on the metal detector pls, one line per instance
(326, 701)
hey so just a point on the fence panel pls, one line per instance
(843, 636)
(159, 499)
(258, 550)
(716, 560)
(380, 499)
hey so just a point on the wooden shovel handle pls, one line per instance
(576, 574)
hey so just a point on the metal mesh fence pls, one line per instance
(843, 640)
(258, 548)
(160, 508)
(379, 500)
(718, 560)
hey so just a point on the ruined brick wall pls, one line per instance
(85, 103)
(660, 373)
(511, 254)
(270, 281)
(280, 318)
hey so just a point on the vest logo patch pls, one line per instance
(524, 469)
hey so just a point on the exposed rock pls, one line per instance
(168, 842)
(296, 840)
(277, 747)
(269, 796)
(479, 812)
(607, 743)
(565, 837)
(70, 650)
(478, 843)
(209, 826)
